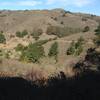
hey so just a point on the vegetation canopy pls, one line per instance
(2, 38)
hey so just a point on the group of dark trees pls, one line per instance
(61, 31)
(76, 48)
(92, 58)
(34, 51)
(21, 34)
(35, 34)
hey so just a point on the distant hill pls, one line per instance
(12, 21)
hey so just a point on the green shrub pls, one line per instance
(79, 42)
(20, 47)
(79, 50)
(1, 53)
(86, 29)
(33, 53)
(53, 52)
(24, 33)
(21, 34)
(2, 38)
(97, 31)
(18, 34)
(36, 33)
(76, 48)
(71, 49)
(61, 31)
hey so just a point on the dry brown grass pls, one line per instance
(35, 74)
(7, 74)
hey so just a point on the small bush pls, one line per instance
(62, 22)
(61, 31)
(55, 18)
(97, 31)
(19, 47)
(71, 49)
(86, 29)
(36, 33)
(76, 48)
(21, 34)
(2, 38)
(84, 19)
(24, 33)
(18, 34)
(1, 53)
(53, 52)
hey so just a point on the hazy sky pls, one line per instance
(87, 6)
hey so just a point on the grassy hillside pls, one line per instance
(27, 40)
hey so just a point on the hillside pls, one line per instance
(64, 27)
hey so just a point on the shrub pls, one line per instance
(24, 33)
(33, 53)
(55, 19)
(79, 50)
(62, 22)
(64, 15)
(19, 47)
(36, 33)
(84, 19)
(76, 48)
(53, 52)
(97, 41)
(79, 42)
(61, 31)
(86, 29)
(97, 31)
(18, 34)
(2, 38)
(21, 34)
(71, 49)
(1, 53)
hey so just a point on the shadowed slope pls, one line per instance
(82, 87)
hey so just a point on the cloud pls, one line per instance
(45, 3)
(50, 2)
(21, 3)
(77, 3)
(29, 3)
(81, 3)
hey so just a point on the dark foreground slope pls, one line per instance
(82, 87)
